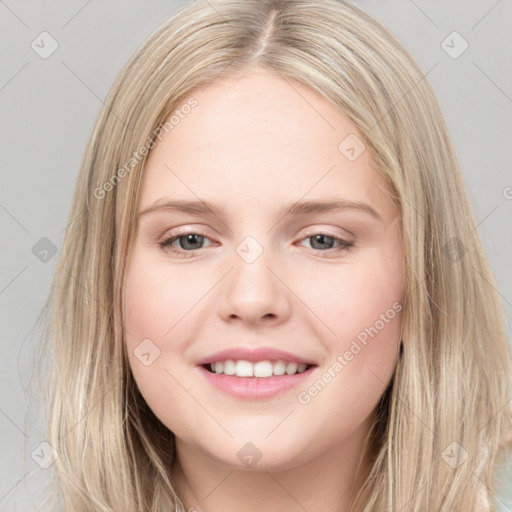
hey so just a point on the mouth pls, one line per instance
(245, 380)
(258, 370)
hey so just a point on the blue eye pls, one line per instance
(326, 239)
(191, 241)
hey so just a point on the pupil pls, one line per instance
(321, 238)
(190, 239)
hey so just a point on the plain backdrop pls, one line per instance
(49, 104)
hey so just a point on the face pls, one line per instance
(323, 285)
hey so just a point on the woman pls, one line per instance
(263, 368)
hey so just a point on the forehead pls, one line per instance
(260, 108)
(258, 139)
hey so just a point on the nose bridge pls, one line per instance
(252, 289)
(252, 261)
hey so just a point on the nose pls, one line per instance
(254, 290)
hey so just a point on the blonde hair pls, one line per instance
(443, 420)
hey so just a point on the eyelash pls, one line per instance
(166, 243)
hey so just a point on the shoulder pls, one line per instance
(502, 495)
(482, 500)
(498, 499)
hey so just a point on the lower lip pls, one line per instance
(255, 387)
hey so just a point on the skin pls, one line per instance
(254, 143)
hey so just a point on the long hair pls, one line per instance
(443, 420)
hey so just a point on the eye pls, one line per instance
(324, 242)
(188, 240)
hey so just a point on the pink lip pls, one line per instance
(253, 355)
(254, 387)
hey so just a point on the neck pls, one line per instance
(327, 483)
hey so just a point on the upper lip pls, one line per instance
(253, 355)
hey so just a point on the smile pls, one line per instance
(244, 384)
(261, 369)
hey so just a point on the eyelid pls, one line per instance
(345, 243)
(314, 229)
(182, 231)
(166, 241)
(309, 231)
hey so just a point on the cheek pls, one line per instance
(362, 357)
(360, 302)
(151, 309)
(153, 306)
(156, 299)
(365, 294)
(364, 311)
(162, 304)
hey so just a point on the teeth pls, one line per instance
(244, 369)
(279, 368)
(229, 367)
(260, 369)
(291, 368)
(263, 369)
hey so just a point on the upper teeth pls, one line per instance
(244, 368)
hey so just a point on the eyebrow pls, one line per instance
(296, 209)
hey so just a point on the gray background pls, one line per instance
(48, 107)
